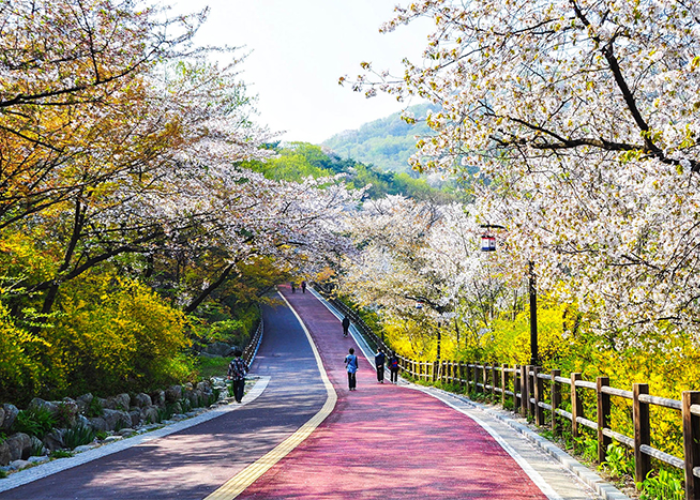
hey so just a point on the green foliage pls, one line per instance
(60, 454)
(663, 486)
(78, 436)
(95, 408)
(587, 447)
(618, 461)
(35, 421)
(212, 367)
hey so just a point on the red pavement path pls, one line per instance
(385, 441)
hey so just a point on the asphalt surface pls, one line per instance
(386, 441)
(193, 463)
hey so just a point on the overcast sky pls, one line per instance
(299, 49)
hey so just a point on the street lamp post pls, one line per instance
(488, 244)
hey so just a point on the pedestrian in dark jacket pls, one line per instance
(394, 368)
(237, 369)
(346, 325)
(303, 287)
(379, 360)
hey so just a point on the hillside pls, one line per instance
(386, 143)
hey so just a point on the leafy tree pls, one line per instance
(582, 119)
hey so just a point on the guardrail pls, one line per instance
(251, 350)
(538, 394)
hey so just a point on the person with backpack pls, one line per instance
(237, 369)
(379, 360)
(351, 366)
(394, 368)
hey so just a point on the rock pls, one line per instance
(135, 417)
(38, 447)
(123, 401)
(204, 386)
(48, 405)
(177, 408)
(98, 424)
(143, 400)
(20, 464)
(173, 393)
(116, 418)
(108, 403)
(149, 415)
(11, 413)
(67, 412)
(82, 420)
(218, 349)
(84, 402)
(5, 456)
(158, 398)
(188, 386)
(126, 432)
(111, 439)
(85, 447)
(54, 439)
(38, 460)
(20, 446)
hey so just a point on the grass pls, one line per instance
(212, 367)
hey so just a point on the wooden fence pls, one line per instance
(539, 395)
(252, 348)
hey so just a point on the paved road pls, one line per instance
(193, 463)
(386, 441)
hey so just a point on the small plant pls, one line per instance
(61, 454)
(78, 436)
(587, 447)
(617, 462)
(101, 435)
(3, 474)
(663, 486)
(94, 409)
(37, 449)
(62, 415)
(35, 421)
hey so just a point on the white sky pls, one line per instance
(299, 49)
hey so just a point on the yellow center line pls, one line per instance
(237, 484)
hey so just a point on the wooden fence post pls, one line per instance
(691, 443)
(524, 402)
(642, 433)
(603, 417)
(504, 384)
(494, 379)
(576, 404)
(460, 370)
(539, 393)
(556, 400)
(516, 387)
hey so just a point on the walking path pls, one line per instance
(305, 436)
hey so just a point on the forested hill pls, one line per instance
(298, 160)
(386, 143)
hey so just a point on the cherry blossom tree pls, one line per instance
(582, 118)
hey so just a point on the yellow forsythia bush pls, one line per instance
(112, 335)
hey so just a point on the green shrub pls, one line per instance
(78, 436)
(95, 408)
(61, 454)
(663, 486)
(35, 421)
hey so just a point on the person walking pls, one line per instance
(351, 366)
(379, 360)
(237, 369)
(303, 287)
(394, 368)
(346, 325)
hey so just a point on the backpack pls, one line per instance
(394, 364)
